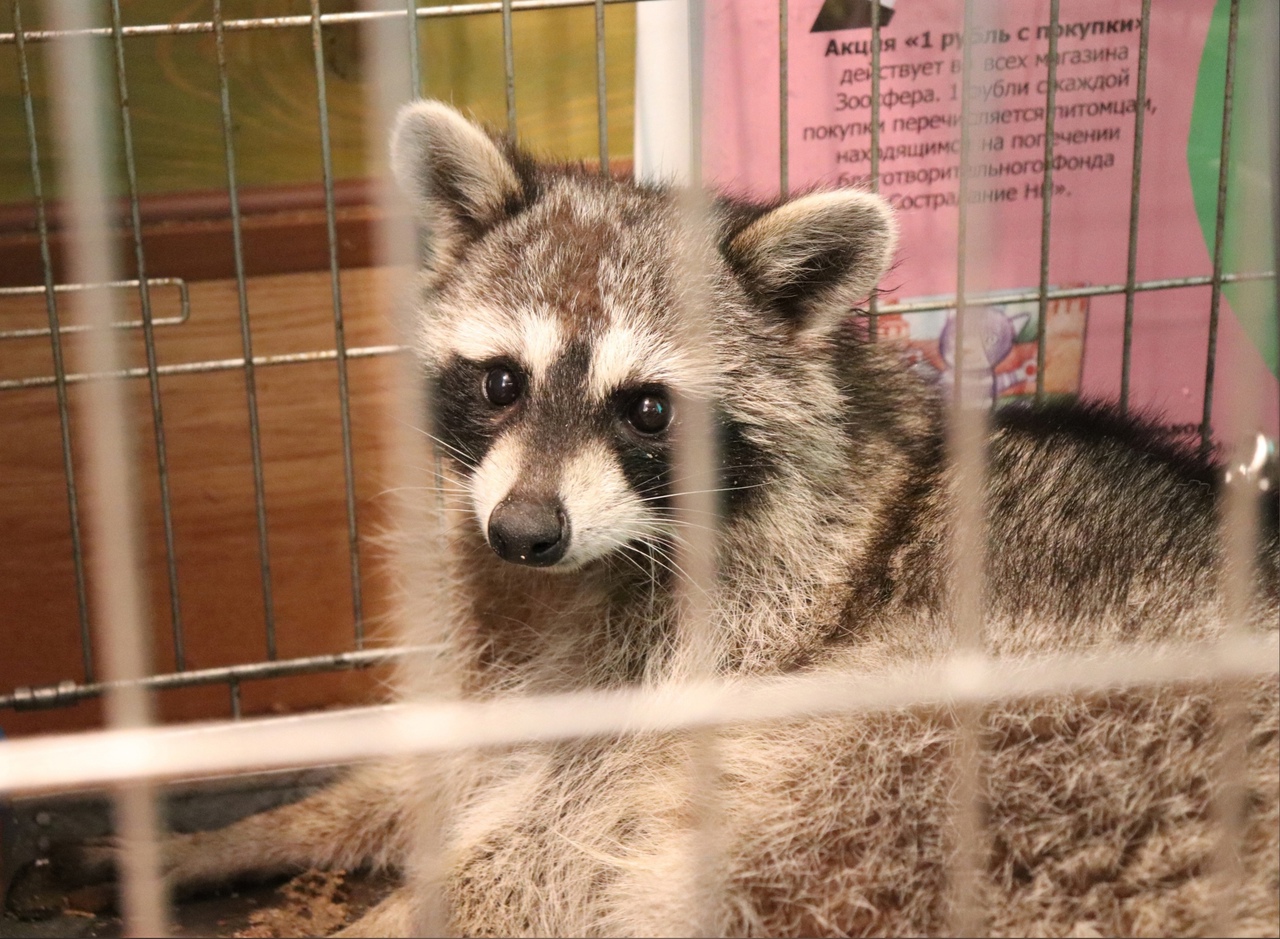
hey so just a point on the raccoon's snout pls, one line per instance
(533, 533)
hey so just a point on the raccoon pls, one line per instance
(550, 333)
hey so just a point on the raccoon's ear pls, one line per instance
(814, 257)
(459, 180)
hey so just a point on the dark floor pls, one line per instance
(314, 903)
(34, 904)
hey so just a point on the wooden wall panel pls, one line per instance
(207, 434)
(175, 103)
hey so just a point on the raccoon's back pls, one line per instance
(1110, 524)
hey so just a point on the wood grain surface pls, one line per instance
(178, 140)
(174, 96)
(210, 471)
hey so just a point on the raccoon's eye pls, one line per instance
(503, 386)
(649, 413)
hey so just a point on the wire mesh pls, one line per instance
(131, 753)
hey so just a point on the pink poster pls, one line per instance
(829, 138)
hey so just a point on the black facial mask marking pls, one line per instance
(468, 425)
(464, 422)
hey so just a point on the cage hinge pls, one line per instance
(40, 697)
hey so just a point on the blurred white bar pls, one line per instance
(966, 453)
(99, 758)
(663, 93)
(1240, 432)
(392, 48)
(120, 617)
(700, 651)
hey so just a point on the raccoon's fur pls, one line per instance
(550, 331)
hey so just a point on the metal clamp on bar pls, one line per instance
(43, 697)
(184, 305)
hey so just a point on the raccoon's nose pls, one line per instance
(533, 533)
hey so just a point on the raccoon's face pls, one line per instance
(550, 333)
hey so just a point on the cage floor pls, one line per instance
(36, 904)
(314, 903)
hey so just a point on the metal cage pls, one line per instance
(131, 754)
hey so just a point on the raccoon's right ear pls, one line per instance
(459, 180)
(812, 258)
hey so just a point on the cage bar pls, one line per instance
(246, 343)
(233, 687)
(55, 340)
(509, 67)
(905, 307)
(422, 673)
(304, 20)
(117, 571)
(149, 342)
(966, 442)
(1046, 199)
(339, 333)
(69, 692)
(1219, 228)
(784, 99)
(1245, 451)
(1131, 267)
(698, 647)
(108, 757)
(1239, 538)
(415, 51)
(204, 367)
(602, 99)
(873, 310)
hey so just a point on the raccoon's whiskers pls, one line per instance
(446, 490)
(457, 451)
(666, 559)
(628, 550)
(697, 492)
(670, 519)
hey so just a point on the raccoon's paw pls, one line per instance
(75, 874)
(97, 861)
(92, 861)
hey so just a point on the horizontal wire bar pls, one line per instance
(70, 692)
(304, 20)
(364, 352)
(1066, 293)
(211, 365)
(184, 305)
(103, 757)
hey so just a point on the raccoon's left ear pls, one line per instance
(814, 257)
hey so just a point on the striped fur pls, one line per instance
(1098, 809)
